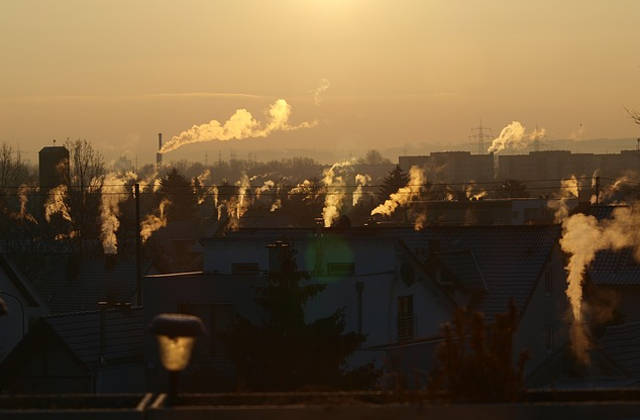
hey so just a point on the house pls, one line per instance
(23, 303)
(92, 351)
(397, 286)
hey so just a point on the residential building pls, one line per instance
(97, 351)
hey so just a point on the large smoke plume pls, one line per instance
(240, 125)
(112, 195)
(334, 181)
(514, 136)
(583, 236)
(404, 194)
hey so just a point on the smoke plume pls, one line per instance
(514, 136)
(582, 237)
(404, 194)
(317, 92)
(335, 191)
(112, 194)
(473, 192)
(569, 189)
(240, 125)
(23, 195)
(361, 181)
(56, 203)
(152, 222)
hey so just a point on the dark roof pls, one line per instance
(463, 266)
(94, 281)
(615, 268)
(509, 258)
(622, 344)
(20, 282)
(122, 334)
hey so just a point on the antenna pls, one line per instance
(479, 134)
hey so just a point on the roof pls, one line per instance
(463, 266)
(122, 331)
(14, 275)
(615, 268)
(621, 343)
(73, 287)
(508, 258)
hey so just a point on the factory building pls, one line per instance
(461, 167)
(452, 167)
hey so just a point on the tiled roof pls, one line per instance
(509, 258)
(622, 344)
(122, 334)
(463, 265)
(64, 292)
(615, 268)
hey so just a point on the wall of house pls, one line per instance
(52, 369)
(11, 325)
(544, 315)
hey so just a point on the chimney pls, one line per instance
(159, 155)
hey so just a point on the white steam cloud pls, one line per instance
(240, 125)
(515, 136)
(404, 194)
(317, 92)
(335, 191)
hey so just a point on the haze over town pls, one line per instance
(404, 77)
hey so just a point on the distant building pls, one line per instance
(533, 168)
(452, 167)
(53, 166)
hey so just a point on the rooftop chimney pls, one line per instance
(159, 155)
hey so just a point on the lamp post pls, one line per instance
(176, 335)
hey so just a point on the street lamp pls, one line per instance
(176, 334)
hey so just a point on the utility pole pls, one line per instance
(138, 249)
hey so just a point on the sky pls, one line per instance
(400, 72)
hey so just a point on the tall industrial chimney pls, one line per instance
(158, 154)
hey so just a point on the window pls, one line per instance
(405, 318)
(244, 268)
(341, 269)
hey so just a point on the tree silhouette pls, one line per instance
(178, 190)
(392, 182)
(475, 363)
(284, 352)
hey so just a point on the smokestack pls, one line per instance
(159, 155)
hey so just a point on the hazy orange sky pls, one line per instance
(400, 72)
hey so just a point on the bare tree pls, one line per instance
(87, 165)
(635, 115)
(13, 171)
(87, 176)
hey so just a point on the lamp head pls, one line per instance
(176, 334)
